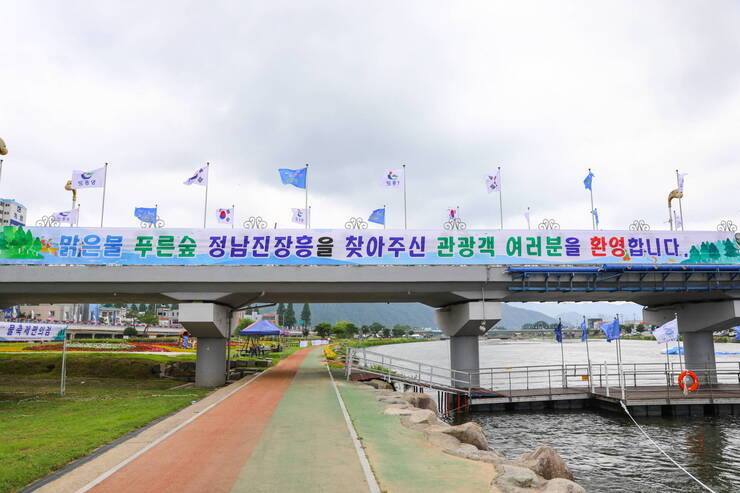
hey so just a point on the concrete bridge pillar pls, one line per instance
(464, 323)
(210, 324)
(696, 323)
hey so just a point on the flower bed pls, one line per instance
(103, 346)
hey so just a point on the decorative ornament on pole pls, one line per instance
(727, 225)
(454, 221)
(158, 224)
(68, 186)
(255, 222)
(549, 224)
(639, 225)
(47, 222)
(3, 148)
(355, 223)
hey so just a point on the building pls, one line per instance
(12, 213)
(54, 313)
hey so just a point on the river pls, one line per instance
(605, 450)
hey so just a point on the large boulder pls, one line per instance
(380, 384)
(442, 440)
(419, 419)
(472, 452)
(420, 400)
(399, 410)
(513, 478)
(560, 485)
(469, 433)
(547, 463)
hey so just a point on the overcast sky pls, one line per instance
(452, 89)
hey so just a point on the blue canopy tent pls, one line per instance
(260, 328)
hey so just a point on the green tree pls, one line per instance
(344, 328)
(400, 330)
(714, 254)
(244, 322)
(385, 333)
(141, 308)
(149, 318)
(130, 331)
(323, 329)
(290, 320)
(280, 314)
(730, 249)
(640, 327)
(376, 329)
(306, 315)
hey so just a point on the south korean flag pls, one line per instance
(225, 216)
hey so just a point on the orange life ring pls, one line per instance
(694, 379)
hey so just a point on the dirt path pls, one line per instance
(209, 453)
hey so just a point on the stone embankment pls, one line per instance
(540, 471)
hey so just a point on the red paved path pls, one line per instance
(207, 454)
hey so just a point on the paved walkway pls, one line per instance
(282, 432)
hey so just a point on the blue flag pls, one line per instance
(584, 331)
(595, 212)
(559, 332)
(295, 177)
(378, 216)
(737, 333)
(611, 330)
(587, 180)
(146, 214)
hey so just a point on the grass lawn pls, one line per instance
(41, 431)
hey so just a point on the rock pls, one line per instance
(469, 433)
(439, 427)
(546, 462)
(510, 475)
(560, 485)
(420, 400)
(399, 410)
(389, 399)
(442, 440)
(471, 452)
(419, 417)
(380, 384)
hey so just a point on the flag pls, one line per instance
(667, 332)
(611, 330)
(737, 333)
(224, 216)
(584, 331)
(88, 179)
(587, 181)
(299, 216)
(452, 213)
(377, 216)
(493, 182)
(559, 332)
(680, 181)
(66, 216)
(677, 220)
(295, 177)
(393, 178)
(595, 212)
(146, 214)
(199, 178)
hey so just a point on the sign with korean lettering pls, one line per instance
(32, 331)
(129, 246)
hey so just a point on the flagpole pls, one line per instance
(306, 188)
(678, 340)
(385, 213)
(529, 226)
(562, 354)
(588, 358)
(205, 202)
(500, 198)
(680, 205)
(63, 383)
(105, 183)
(1, 168)
(233, 215)
(591, 191)
(405, 223)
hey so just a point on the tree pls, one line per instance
(730, 249)
(289, 318)
(130, 331)
(142, 308)
(244, 322)
(640, 327)
(344, 328)
(148, 318)
(323, 329)
(305, 331)
(400, 330)
(376, 329)
(385, 333)
(280, 314)
(306, 315)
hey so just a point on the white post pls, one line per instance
(405, 221)
(588, 358)
(105, 184)
(680, 204)
(233, 215)
(606, 374)
(500, 198)
(63, 381)
(205, 201)
(308, 217)
(1, 168)
(591, 191)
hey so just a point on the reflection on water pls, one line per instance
(605, 450)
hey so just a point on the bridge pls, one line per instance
(464, 275)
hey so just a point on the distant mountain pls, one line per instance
(413, 314)
(572, 313)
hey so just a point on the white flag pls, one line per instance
(493, 182)
(199, 178)
(88, 179)
(299, 216)
(224, 216)
(66, 216)
(393, 178)
(680, 181)
(667, 332)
